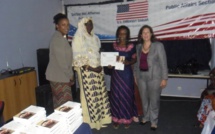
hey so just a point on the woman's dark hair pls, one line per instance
(127, 33)
(153, 38)
(59, 17)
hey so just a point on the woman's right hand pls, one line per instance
(86, 67)
(110, 67)
(97, 69)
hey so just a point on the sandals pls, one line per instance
(127, 126)
(115, 125)
(103, 126)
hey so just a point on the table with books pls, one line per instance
(66, 119)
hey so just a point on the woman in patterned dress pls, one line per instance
(123, 107)
(93, 94)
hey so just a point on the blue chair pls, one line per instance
(1, 113)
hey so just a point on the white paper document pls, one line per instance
(108, 58)
(119, 63)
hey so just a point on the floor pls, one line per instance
(177, 116)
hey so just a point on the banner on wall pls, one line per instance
(170, 19)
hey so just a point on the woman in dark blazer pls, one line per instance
(151, 74)
(59, 71)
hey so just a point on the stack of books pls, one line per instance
(12, 127)
(72, 115)
(31, 115)
(66, 119)
(25, 121)
(53, 124)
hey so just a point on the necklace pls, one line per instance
(146, 48)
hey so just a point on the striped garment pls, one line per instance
(122, 98)
(61, 93)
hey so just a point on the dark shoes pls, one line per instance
(143, 122)
(154, 127)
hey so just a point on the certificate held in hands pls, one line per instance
(119, 63)
(108, 58)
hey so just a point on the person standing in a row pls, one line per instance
(151, 74)
(123, 107)
(93, 94)
(59, 71)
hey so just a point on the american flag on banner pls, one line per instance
(135, 10)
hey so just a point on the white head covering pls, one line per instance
(82, 28)
(85, 46)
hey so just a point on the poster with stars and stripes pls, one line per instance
(170, 19)
(135, 10)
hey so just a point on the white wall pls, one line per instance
(181, 87)
(25, 25)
